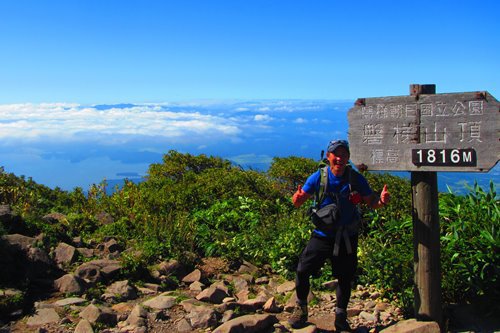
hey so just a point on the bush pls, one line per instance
(470, 242)
(386, 259)
(470, 246)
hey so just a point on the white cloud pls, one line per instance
(300, 121)
(247, 159)
(72, 122)
(262, 117)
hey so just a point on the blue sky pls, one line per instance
(93, 89)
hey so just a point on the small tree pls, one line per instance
(291, 171)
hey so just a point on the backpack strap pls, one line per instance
(323, 185)
(352, 178)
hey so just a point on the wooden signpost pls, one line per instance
(425, 133)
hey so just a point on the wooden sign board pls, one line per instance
(432, 132)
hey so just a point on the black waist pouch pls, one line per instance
(326, 218)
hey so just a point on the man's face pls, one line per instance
(338, 159)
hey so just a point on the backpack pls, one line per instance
(342, 231)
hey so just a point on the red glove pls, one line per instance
(385, 196)
(355, 197)
(299, 197)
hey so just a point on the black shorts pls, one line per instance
(319, 249)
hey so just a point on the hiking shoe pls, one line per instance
(341, 324)
(299, 316)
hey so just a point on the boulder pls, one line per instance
(413, 326)
(11, 222)
(84, 326)
(70, 284)
(192, 277)
(213, 294)
(248, 324)
(120, 291)
(160, 302)
(65, 254)
(202, 317)
(102, 315)
(99, 270)
(42, 317)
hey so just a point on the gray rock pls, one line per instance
(11, 222)
(192, 277)
(21, 260)
(98, 270)
(172, 268)
(367, 316)
(227, 316)
(286, 287)
(70, 284)
(243, 295)
(18, 241)
(271, 306)
(254, 304)
(111, 246)
(86, 253)
(213, 294)
(184, 326)
(292, 301)
(89, 272)
(249, 268)
(308, 329)
(43, 316)
(138, 316)
(153, 286)
(160, 302)
(120, 291)
(196, 286)
(84, 326)
(70, 301)
(248, 324)
(64, 254)
(190, 304)
(413, 326)
(202, 317)
(262, 280)
(239, 284)
(102, 315)
(331, 285)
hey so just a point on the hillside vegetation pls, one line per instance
(190, 207)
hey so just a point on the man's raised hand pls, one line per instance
(385, 196)
(299, 197)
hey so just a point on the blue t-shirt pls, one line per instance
(340, 186)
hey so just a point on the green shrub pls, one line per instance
(386, 259)
(289, 237)
(470, 242)
(470, 245)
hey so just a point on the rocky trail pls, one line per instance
(83, 288)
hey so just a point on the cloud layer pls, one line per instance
(75, 122)
(67, 144)
(176, 121)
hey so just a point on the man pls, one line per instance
(339, 244)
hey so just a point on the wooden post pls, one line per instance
(426, 243)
